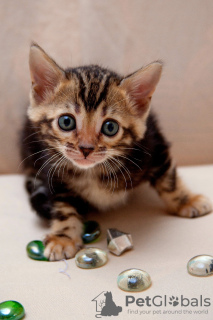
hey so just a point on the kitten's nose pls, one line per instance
(85, 150)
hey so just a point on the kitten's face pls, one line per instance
(84, 137)
(88, 114)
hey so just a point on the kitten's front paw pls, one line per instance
(61, 247)
(196, 206)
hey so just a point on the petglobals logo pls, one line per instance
(165, 301)
(105, 305)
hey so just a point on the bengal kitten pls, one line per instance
(89, 139)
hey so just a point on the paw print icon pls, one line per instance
(173, 301)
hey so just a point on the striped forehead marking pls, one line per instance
(94, 84)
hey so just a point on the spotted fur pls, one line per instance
(68, 172)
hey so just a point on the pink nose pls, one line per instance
(85, 150)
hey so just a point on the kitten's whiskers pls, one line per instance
(44, 165)
(63, 158)
(106, 169)
(56, 164)
(46, 155)
(131, 161)
(126, 169)
(65, 164)
(115, 177)
(119, 155)
(115, 162)
(143, 148)
(110, 172)
(34, 154)
(36, 141)
(31, 135)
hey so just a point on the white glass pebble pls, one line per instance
(200, 266)
(134, 280)
(90, 258)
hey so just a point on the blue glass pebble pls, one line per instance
(91, 231)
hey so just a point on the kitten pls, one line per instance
(89, 139)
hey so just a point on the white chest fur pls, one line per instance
(97, 194)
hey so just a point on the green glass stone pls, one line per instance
(90, 258)
(35, 250)
(11, 310)
(134, 280)
(91, 231)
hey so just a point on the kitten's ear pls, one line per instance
(141, 85)
(45, 73)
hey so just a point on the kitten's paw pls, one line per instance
(196, 206)
(61, 247)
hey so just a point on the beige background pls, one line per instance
(123, 35)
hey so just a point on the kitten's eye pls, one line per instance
(66, 123)
(110, 128)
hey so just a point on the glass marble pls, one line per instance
(11, 310)
(35, 250)
(134, 280)
(90, 258)
(200, 266)
(91, 231)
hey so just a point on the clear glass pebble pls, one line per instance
(35, 250)
(200, 266)
(118, 241)
(11, 310)
(90, 258)
(134, 280)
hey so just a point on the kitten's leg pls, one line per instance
(66, 224)
(178, 198)
(66, 231)
(39, 196)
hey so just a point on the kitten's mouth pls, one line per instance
(84, 163)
